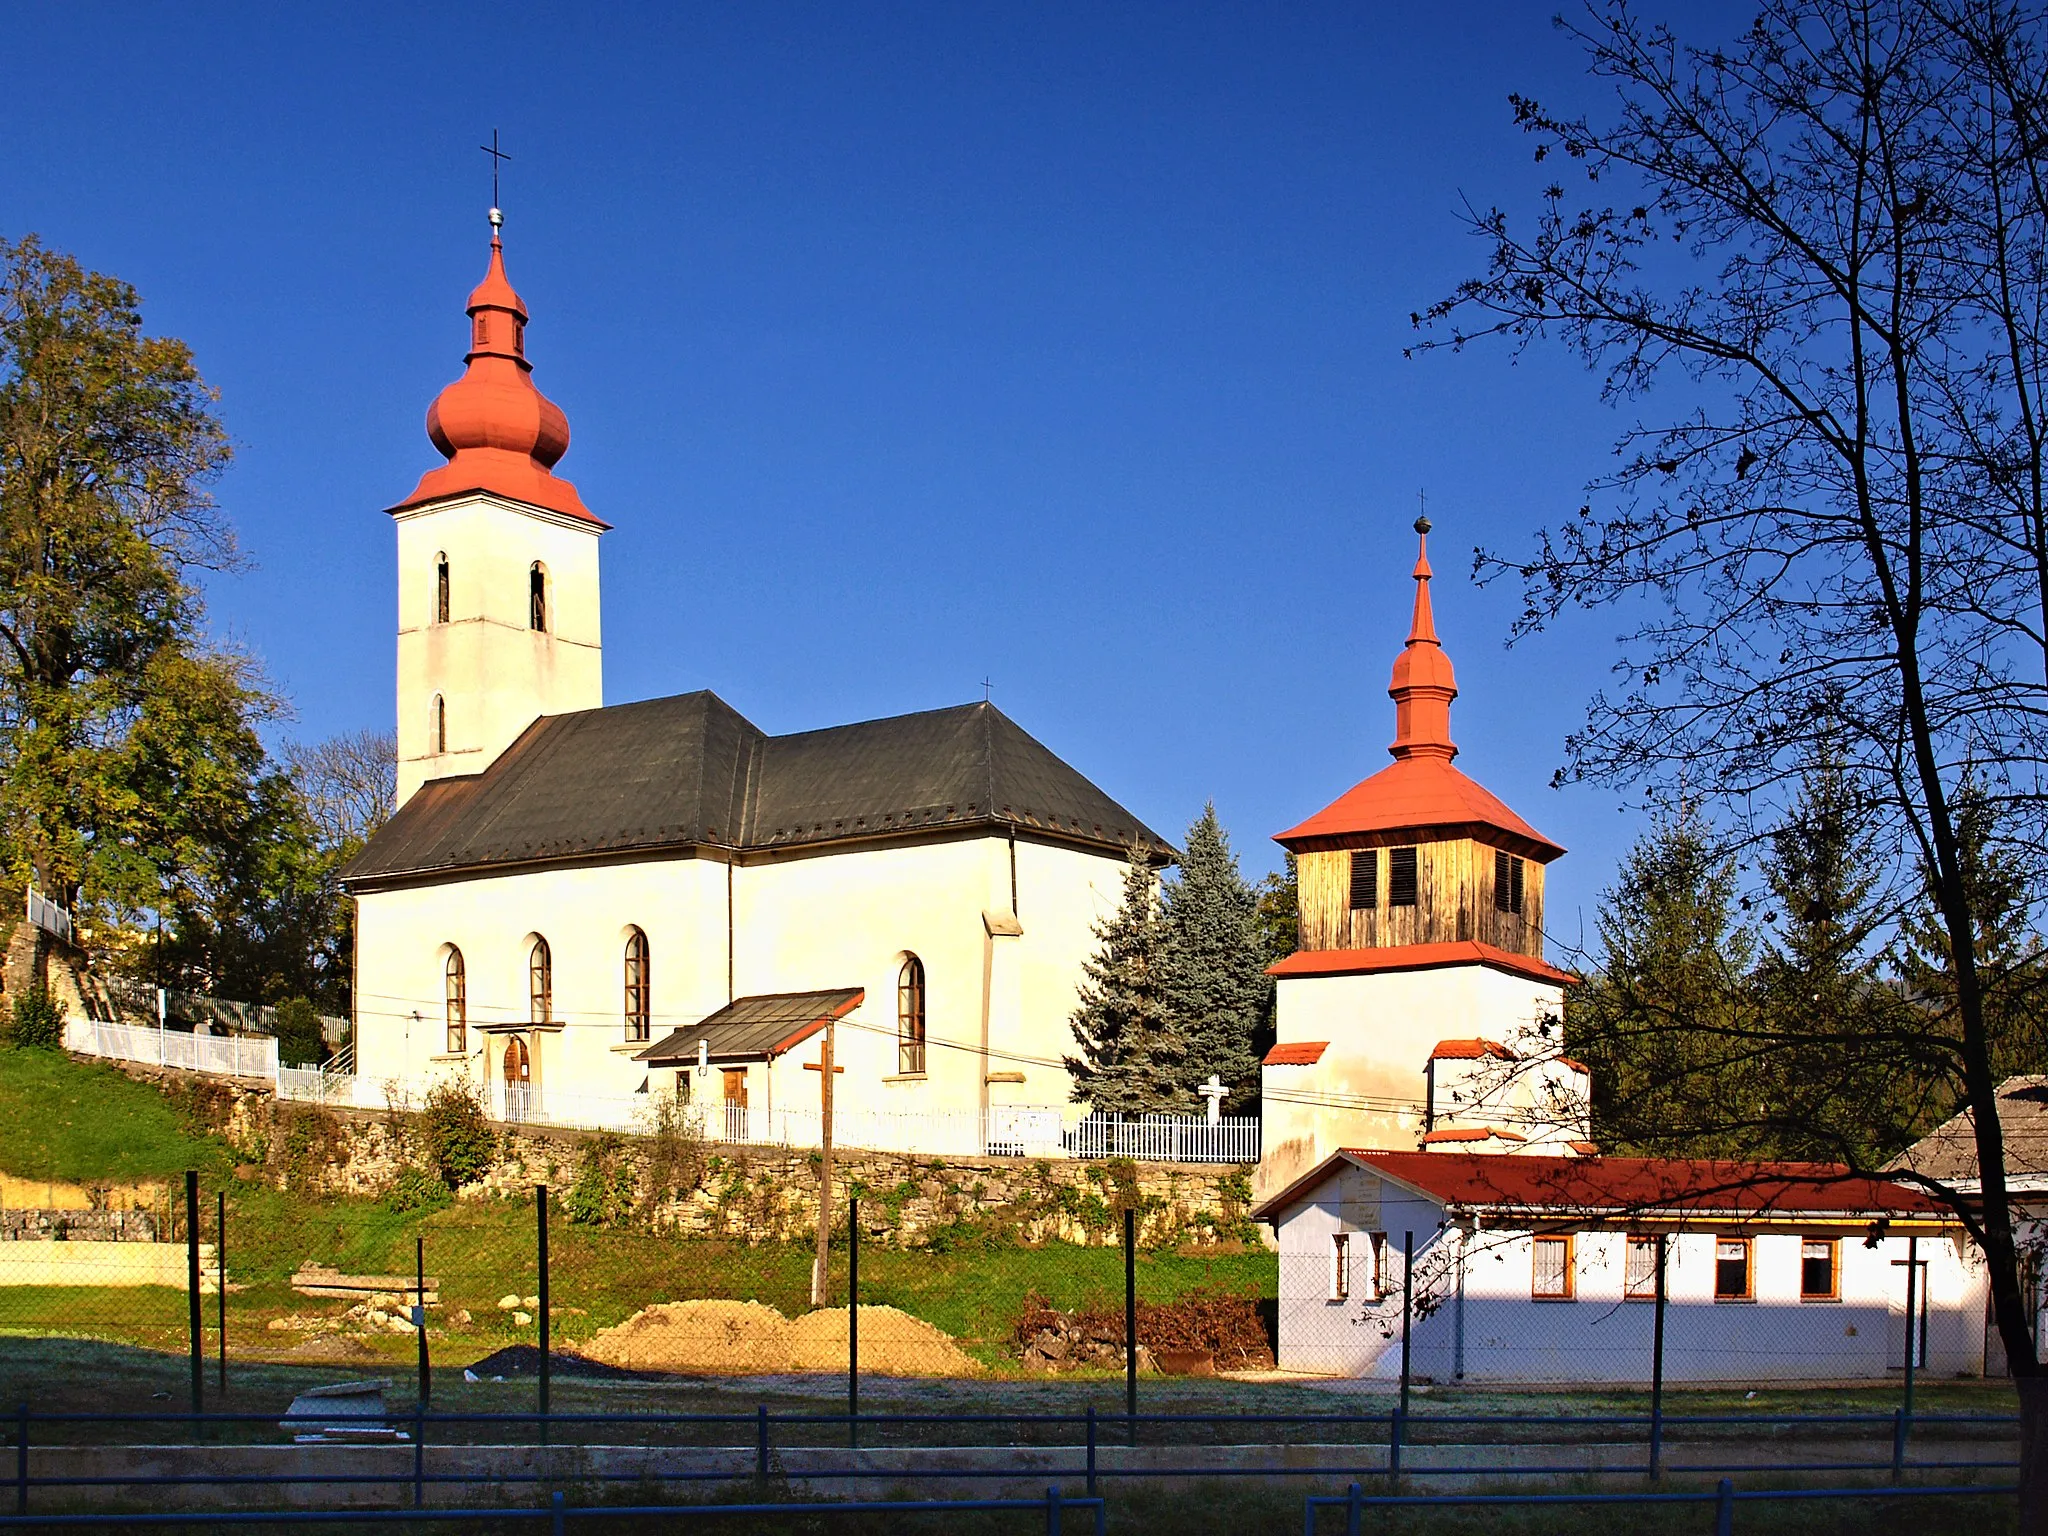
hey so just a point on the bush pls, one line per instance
(299, 1041)
(414, 1190)
(606, 1187)
(460, 1143)
(677, 1157)
(37, 1021)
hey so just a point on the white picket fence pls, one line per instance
(220, 1055)
(1045, 1130)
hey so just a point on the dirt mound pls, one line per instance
(892, 1343)
(731, 1337)
(522, 1361)
(745, 1338)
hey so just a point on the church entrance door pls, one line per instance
(735, 1103)
(518, 1080)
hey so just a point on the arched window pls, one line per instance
(540, 983)
(440, 589)
(457, 993)
(910, 1016)
(537, 597)
(437, 724)
(639, 1010)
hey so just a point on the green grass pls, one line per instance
(87, 1123)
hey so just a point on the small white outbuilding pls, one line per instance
(1534, 1269)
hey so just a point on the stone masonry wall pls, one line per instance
(752, 1194)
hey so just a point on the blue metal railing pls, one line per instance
(1354, 1501)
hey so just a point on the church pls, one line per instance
(582, 907)
(1418, 1012)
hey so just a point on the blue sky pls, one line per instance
(904, 346)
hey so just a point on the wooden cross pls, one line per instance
(498, 157)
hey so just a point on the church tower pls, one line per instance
(497, 560)
(1418, 989)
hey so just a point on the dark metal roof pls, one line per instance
(755, 1028)
(690, 770)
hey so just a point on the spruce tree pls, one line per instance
(1131, 1058)
(1213, 983)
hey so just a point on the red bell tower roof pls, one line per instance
(1420, 792)
(500, 434)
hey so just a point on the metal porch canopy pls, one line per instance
(754, 1028)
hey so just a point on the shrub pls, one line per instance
(299, 1041)
(607, 1185)
(459, 1141)
(37, 1022)
(415, 1190)
(677, 1157)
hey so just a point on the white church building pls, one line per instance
(579, 906)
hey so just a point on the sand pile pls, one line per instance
(892, 1343)
(746, 1338)
(741, 1337)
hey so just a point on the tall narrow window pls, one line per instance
(910, 1016)
(540, 983)
(1401, 877)
(1820, 1268)
(639, 1012)
(457, 1004)
(1340, 1266)
(1639, 1282)
(1552, 1279)
(437, 724)
(537, 597)
(440, 589)
(1365, 879)
(1507, 883)
(1731, 1269)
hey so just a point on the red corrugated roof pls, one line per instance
(1418, 794)
(1300, 1053)
(1528, 1181)
(1416, 957)
(1470, 1050)
(1483, 1133)
(1641, 1183)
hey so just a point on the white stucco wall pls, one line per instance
(1481, 1323)
(494, 673)
(799, 922)
(1381, 1027)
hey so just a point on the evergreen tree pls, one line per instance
(1847, 1075)
(1131, 1059)
(1213, 985)
(1279, 911)
(2010, 965)
(1662, 1020)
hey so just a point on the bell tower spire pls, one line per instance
(1423, 684)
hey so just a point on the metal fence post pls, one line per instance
(540, 1207)
(1912, 1319)
(220, 1282)
(419, 1316)
(1091, 1449)
(419, 1454)
(853, 1321)
(196, 1318)
(21, 1460)
(1354, 1510)
(1898, 1443)
(1052, 1511)
(1724, 1508)
(1407, 1310)
(1394, 1428)
(761, 1445)
(1131, 1324)
(1657, 1373)
(557, 1521)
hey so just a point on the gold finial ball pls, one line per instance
(1422, 525)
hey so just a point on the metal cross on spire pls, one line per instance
(498, 157)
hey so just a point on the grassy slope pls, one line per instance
(84, 1122)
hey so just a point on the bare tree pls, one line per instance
(1825, 266)
(349, 784)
